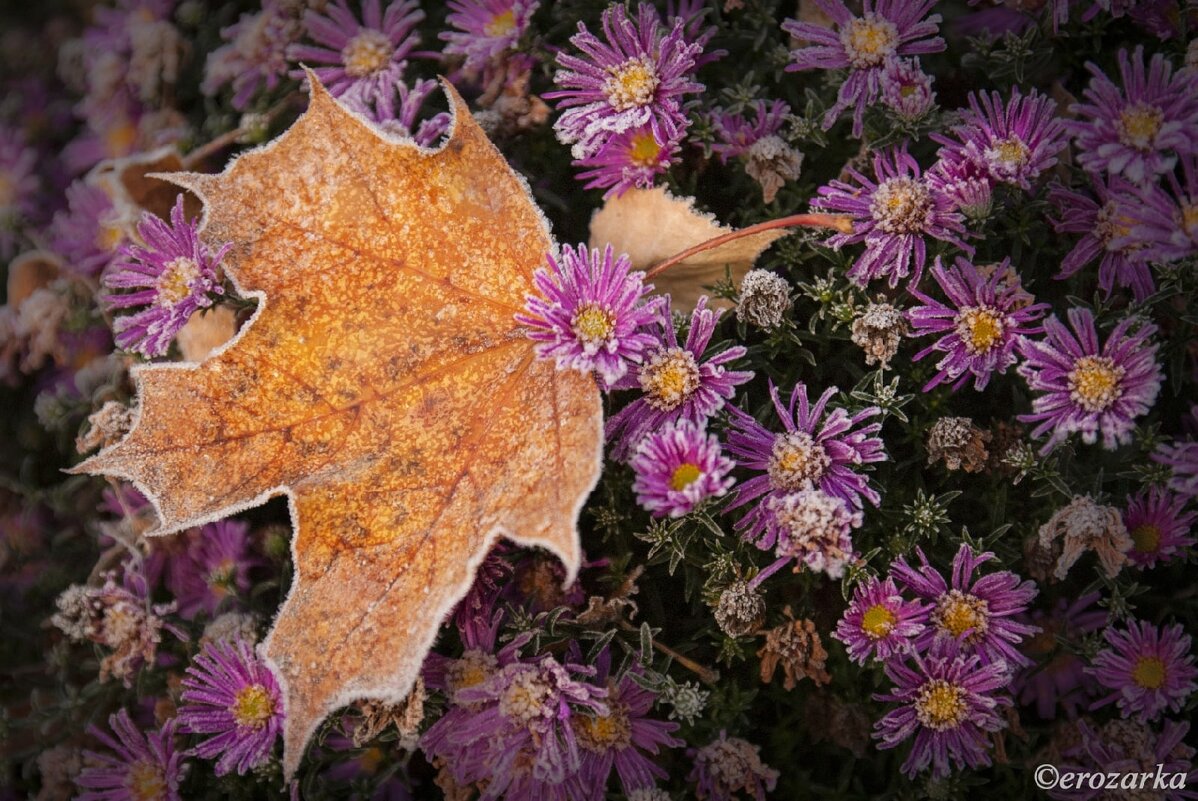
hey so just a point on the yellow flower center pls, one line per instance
(367, 53)
(669, 378)
(601, 732)
(631, 84)
(869, 40)
(979, 328)
(108, 236)
(145, 782)
(1146, 538)
(644, 149)
(501, 24)
(1139, 124)
(1110, 225)
(878, 621)
(252, 707)
(940, 705)
(796, 461)
(958, 612)
(120, 138)
(1149, 672)
(593, 325)
(901, 205)
(684, 475)
(175, 282)
(1012, 152)
(1094, 383)
(472, 669)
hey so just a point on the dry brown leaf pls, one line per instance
(29, 272)
(382, 386)
(205, 331)
(651, 225)
(137, 183)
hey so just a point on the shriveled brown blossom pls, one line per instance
(1084, 525)
(58, 767)
(1004, 436)
(405, 716)
(764, 299)
(958, 443)
(771, 162)
(796, 647)
(105, 426)
(740, 609)
(878, 331)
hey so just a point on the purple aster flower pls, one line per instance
(1150, 669)
(947, 702)
(737, 135)
(1012, 143)
(907, 89)
(879, 623)
(728, 766)
(486, 29)
(863, 45)
(348, 51)
(979, 616)
(231, 694)
(172, 275)
(987, 313)
(969, 187)
(1139, 130)
(812, 451)
(1104, 226)
(1163, 222)
(516, 729)
(393, 106)
(255, 56)
(86, 233)
(215, 567)
(812, 528)
(676, 383)
(623, 738)
(692, 14)
(18, 187)
(140, 765)
(1181, 456)
(677, 468)
(640, 74)
(632, 158)
(590, 312)
(892, 217)
(1159, 526)
(1127, 748)
(1056, 679)
(1087, 387)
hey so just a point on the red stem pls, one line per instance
(837, 221)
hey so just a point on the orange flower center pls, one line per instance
(601, 732)
(175, 282)
(796, 461)
(593, 325)
(644, 149)
(958, 612)
(901, 205)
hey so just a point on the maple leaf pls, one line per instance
(382, 385)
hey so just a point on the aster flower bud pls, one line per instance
(878, 331)
(958, 443)
(764, 299)
(740, 610)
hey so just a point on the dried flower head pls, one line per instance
(728, 766)
(796, 647)
(878, 330)
(959, 443)
(1082, 526)
(764, 299)
(740, 610)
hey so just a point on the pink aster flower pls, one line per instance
(1181, 456)
(632, 158)
(864, 45)
(255, 56)
(1009, 143)
(393, 105)
(893, 217)
(18, 187)
(1086, 386)
(677, 468)
(677, 383)
(1163, 220)
(987, 313)
(484, 30)
(86, 233)
(812, 451)
(590, 312)
(1056, 679)
(348, 52)
(231, 694)
(907, 89)
(1159, 527)
(879, 622)
(1139, 130)
(1104, 227)
(1150, 669)
(812, 528)
(947, 702)
(215, 568)
(979, 615)
(626, 738)
(172, 275)
(729, 766)
(638, 75)
(968, 186)
(141, 765)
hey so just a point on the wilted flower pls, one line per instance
(1086, 386)
(864, 45)
(769, 160)
(796, 647)
(141, 765)
(812, 528)
(959, 443)
(1083, 525)
(728, 766)
(878, 330)
(740, 609)
(18, 183)
(677, 467)
(764, 299)
(1150, 669)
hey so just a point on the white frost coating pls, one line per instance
(397, 689)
